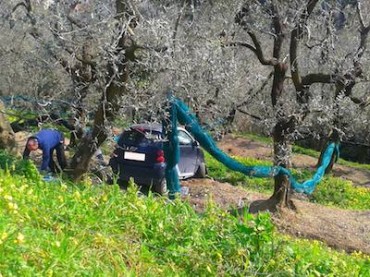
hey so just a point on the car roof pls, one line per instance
(148, 126)
(156, 127)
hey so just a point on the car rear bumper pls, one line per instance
(141, 175)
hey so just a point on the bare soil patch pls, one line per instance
(338, 228)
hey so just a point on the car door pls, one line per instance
(188, 154)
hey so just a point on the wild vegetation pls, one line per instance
(59, 228)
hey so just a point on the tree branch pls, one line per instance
(256, 50)
(296, 35)
(177, 23)
(75, 22)
(249, 114)
(364, 32)
(361, 102)
(359, 14)
(27, 5)
(313, 78)
(278, 27)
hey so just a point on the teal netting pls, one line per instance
(185, 117)
(309, 186)
(171, 151)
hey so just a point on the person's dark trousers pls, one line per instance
(61, 157)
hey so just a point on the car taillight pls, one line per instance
(160, 156)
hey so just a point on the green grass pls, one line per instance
(256, 137)
(65, 229)
(354, 164)
(221, 173)
(306, 151)
(341, 193)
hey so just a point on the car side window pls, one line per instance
(184, 138)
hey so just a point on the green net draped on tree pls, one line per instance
(185, 117)
(171, 150)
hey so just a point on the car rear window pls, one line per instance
(139, 137)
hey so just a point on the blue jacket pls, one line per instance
(48, 140)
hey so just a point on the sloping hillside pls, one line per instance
(339, 228)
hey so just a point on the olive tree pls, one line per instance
(303, 45)
(86, 42)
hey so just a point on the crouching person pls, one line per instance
(47, 140)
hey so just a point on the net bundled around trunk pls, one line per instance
(185, 117)
(171, 150)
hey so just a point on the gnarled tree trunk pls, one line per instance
(282, 150)
(7, 137)
(116, 78)
(280, 198)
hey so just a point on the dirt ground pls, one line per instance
(340, 229)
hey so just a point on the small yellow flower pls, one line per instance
(8, 197)
(23, 188)
(20, 238)
(57, 243)
(74, 241)
(4, 236)
(12, 206)
(77, 195)
(49, 272)
(219, 255)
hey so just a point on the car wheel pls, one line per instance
(201, 171)
(161, 187)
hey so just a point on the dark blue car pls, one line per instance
(139, 155)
